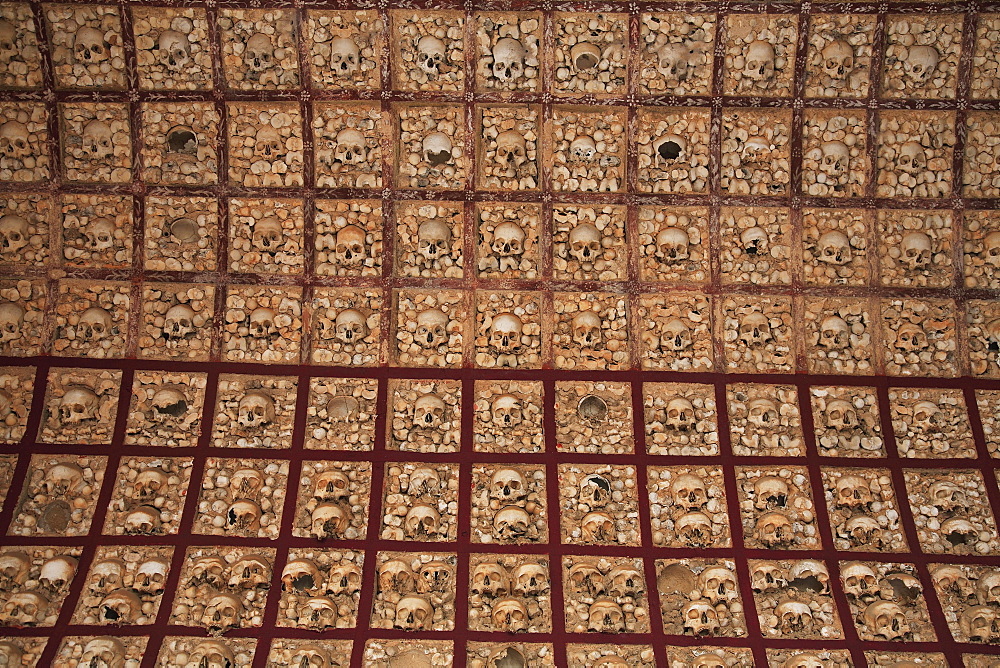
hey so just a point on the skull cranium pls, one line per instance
(345, 56)
(89, 46)
(14, 140)
(173, 50)
(259, 55)
(508, 59)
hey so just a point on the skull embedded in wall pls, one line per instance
(14, 235)
(432, 328)
(952, 578)
(329, 520)
(991, 249)
(586, 328)
(99, 235)
(490, 579)
(222, 612)
(508, 59)
(97, 141)
(584, 56)
(586, 576)
(352, 326)
(184, 231)
(689, 491)
(852, 491)
(834, 247)
(89, 47)
(508, 486)
(860, 581)
(625, 580)
(95, 324)
(834, 333)
(770, 492)
(920, 63)
(9, 48)
(505, 333)
(423, 480)
(762, 413)
(959, 531)
(718, 585)
(331, 485)
(582, 149)
(988, 588)
(511, 151)
(759, 61)
(435, 576)
(508, 239)
(679, 415)
(173, 50)
(259, 53)
(592, 408)
(431, 54)
(668, 148)
(911, 158)
(178, 323)
(838, 59)
(927, 417)
(351, 148)
(585, 242)
(344, 578)
(345, 56)
(509, 614)
(103, 653)
(595, 490)
(350, 247)
(78, 404)
(211, 654)
(700, 618)
(530, 579)
(505, 411)
(674, 61)
(14, 141)
(947, 496)
(793, 616)
(507, 657)
(605, 616)
(911, 338)
(755, 329)
(885, 619)
(267, 235)
(149, 483)
(437, 149)
(675, 335)
(14, 569)
(311, 656)
(255, 409)
(143, 520)
(151, 576)
(319, 612)
(63, 479)
(836, 159)
(262, 323)
(428, 411)
(766, 576)
(121, 606)
(268, 144)
(413, 613)
(672, 244)
(774, 530)
(209, 570)
(243, 516)
(916, 250)
(24, 608)
(980, 623)
(754, 241)
(433, 239)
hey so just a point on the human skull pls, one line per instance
(755, 329)
(700, 618)
(211, 654)
(182, 140)
(312, 656)
(672, 244)
(209, 570)
(595, 490)
(584, 56)
(144, 520)
(268, 144)
(508, 59)
(331, 485)
(103, 653)
(885, 619)
(706, 660)
(834, 333)
(437, 149)
(246, 483)
(243, 516)
(838, 59)
(97, 140)
(920, 63)
(675, 335)
(507, 657)
(14, 140)
(689, 491)
(222, 612)
(754, 241)
(694, 529)
(674, 61)
(120, 606)
(585, 575)
(24, 608)
(268, 235)
(89, 47)
(329, 520)
(680, 414)
(911, 337)
(301, 575)
(512, 149)
(56, 572)
(396, 575)
(947, 496)
(605, 616)
(149, 483)
(756, 150)
(95, 324)
(184, 231)
(911, 158)
(834, 248)
(586, 328)
(959, 531)
(530, 579)
(345, 578)
(916, 250)
(624, 580)
(9, 48)
(14, 569)
(988, 587)
(151, 576)
(509, 614)
(774, 529)
(351, 147)
(759, 61)
(762, 413)
(508, 485)
(14, 234)
(770, 491)
(980, 623)
(350, 247)
(178, 322)
(926, 416)
(597, 527)
(432, 328)
(255, 409)
(793, 616)
(490, 579)
(766, 576)
(508, 239)
(423, 480)
(262, 323)
(991, 249)
(413, 613)
(949, 577)
(345, 57)
(78, 404)
(852, 491)
(860, 581)
(836, 159)
(431, 54)
(319, 612)
(422, 522)
(351, 326)
(505, 411)
(429, 411)
(435, 576)
(505, 333)
(173, 50)
(718, 584)
(582, 149)
(259, 53)
(585, 242)
(511, 523)
(5, 403)
(433, 239)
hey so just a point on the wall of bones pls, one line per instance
(499, 335)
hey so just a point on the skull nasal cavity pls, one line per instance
(592, 408)
(669, 150)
